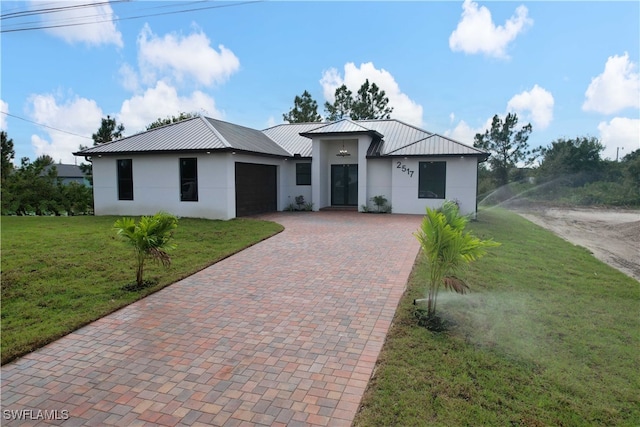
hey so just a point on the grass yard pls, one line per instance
(59, 273)
(548, 336)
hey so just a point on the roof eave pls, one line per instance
(194, 151)
(483, 156)
(356, 132)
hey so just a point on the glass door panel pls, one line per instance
(344, 185)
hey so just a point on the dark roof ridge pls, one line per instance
(294, 124)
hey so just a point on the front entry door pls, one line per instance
(344, 185)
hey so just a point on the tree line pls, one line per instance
(369, 102)
(568, 170)
(35, 188)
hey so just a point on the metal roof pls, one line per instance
(192, 134)
(288, 137)
(390, 138)
(341, 126)
(395, 138)
(436, 145)
(247, 139)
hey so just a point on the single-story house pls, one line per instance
(208, 168)
(68, 173)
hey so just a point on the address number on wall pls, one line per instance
(404, 168)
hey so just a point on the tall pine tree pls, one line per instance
(305, 110)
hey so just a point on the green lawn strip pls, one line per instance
(549, 335)
(59, 273)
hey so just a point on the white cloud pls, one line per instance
(160, 102)
(465, 133)
(404, 108)
(97, 29)
(535, 105)
(619, 132)
(3, 117)
(271, 122)
(129, 78)
(184, 57)
(617, 88)
(331, 81)
(476, 32)
(79, 116)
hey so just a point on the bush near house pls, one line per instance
(34, 188)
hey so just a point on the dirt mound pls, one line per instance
(612, 235)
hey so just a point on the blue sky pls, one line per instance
(568, 68)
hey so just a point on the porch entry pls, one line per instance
(344, 185)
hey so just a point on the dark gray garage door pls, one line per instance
(256, 190)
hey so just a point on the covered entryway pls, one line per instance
(344, 185)
(256, 189)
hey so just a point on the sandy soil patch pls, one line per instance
(612, 235)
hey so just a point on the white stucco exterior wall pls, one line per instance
(461, 183)
(156, 181)
(156, 186)
(379, 180)
(364, 141)
(289, 189)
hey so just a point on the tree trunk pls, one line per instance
(140, 271)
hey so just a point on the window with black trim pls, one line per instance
(189, 180)
(303, 173)
(432, 180)
(125, 179)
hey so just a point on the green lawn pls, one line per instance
(548, 336)
(59, 273)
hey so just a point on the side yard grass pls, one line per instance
(59, 273)
(548, 336)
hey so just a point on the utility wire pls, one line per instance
(43, 125)
(54, 9)
(41, 27)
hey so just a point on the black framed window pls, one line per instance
(125, 179)
(432, 180)
(189, 180)
(303, 173)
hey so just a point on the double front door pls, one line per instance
(344, 185)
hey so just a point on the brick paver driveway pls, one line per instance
(286, 332)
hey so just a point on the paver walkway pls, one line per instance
(286, 332)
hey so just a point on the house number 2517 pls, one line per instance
(404, 168)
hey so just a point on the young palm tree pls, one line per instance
(447, 249)
(149, 237)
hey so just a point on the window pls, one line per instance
(303, 173)
(125, 179)
(189, 180)
(432, 180)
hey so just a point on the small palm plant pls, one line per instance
(447, 250)
(150, 238)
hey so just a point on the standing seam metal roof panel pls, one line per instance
(341, 126)
(190, 134)
(436, 145)
(398, 139)
(247, 139)
(288, 136)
